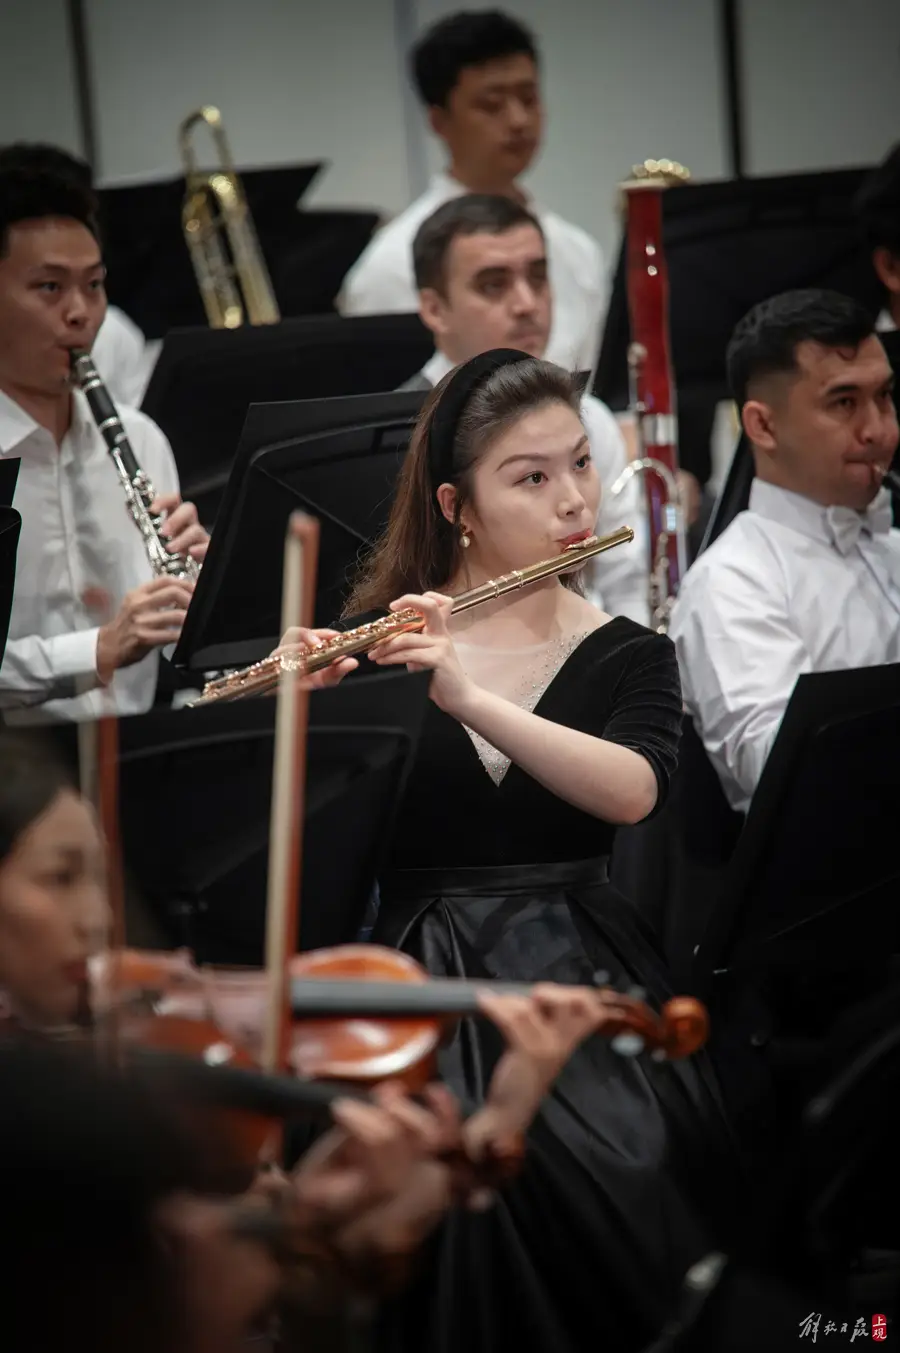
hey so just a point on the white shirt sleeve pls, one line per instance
(619, 581)
(152, 450)
(119, 352)
(36, 670)
(740, 655)
(595, 289)
(381, 281)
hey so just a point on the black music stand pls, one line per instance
(816, 1235)
(10, 526)
(806, 916)
(150, 274)
(847, 1161)
(735, 493)
(206, 379)
(728, 246)
(195, 791)
(336, 459)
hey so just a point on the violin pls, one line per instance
(363, 1013)
(308, 1026)
(151, 1017)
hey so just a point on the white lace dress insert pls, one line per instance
(520, 675)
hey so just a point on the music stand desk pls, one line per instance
(336, 459)
(205, 380)
(195, 794)
(815, 872)
(10, 528)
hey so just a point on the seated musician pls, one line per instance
(123, 357)
(808, 579)
(550, 723)
(370, 1191)
(477, 75)
(108, 1245)
(481, 269)
(87, 612)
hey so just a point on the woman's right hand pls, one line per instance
(299, 641)
(369, 1157)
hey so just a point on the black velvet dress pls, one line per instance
(587, 1249)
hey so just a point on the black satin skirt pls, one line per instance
(630, 1162)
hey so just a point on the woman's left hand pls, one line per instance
(541, 1032)
(298, 642)
(432, 647)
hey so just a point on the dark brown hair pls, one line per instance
(30, 194)
(458, 41)
(32, 774)
(420, 550)
(86, 1156)
(471, 214)
(765, 341)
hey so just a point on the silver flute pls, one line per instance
(139, 492)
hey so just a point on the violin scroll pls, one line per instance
(679, 1030)
(686, 1023)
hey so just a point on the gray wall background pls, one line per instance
(624, 80)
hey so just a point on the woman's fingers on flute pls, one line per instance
(333, 673)
(297, 639)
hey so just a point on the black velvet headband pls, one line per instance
(464, 382)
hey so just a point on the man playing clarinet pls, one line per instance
(87, 612)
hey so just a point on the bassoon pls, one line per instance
(651, 380)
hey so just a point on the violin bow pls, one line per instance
(98, 756)
(288, 796)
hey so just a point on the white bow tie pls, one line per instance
(845, 526)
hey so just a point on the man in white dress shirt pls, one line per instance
(481, 268)
(87, 613)
(121, 353)
(808, 579)
(477, 75)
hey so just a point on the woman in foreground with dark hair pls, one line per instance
(105, 1184)
(550, 724)
(108, 1244)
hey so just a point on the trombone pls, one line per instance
(218, 230)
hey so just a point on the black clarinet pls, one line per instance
(139, 492)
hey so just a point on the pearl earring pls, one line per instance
(465, 540)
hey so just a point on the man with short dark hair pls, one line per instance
(878, 206)
(477, 75)
(480, 265)
(808, 579)
(123, 357)
(87, 612)
(481, 269)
